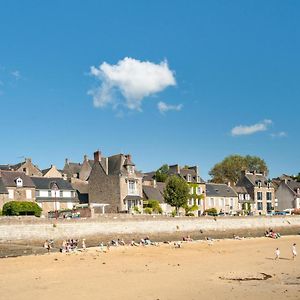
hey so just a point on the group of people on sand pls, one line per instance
(71, 245)
(294, 252)
(48, 245)
(271, 234)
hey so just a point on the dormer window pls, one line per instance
(259, 184)
(130, 169)
(19, 182)
(268, 185)
(189, 178)
(198, 179)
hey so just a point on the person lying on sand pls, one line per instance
(133, 243)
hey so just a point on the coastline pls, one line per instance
(222, 269)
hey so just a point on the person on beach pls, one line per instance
(277, 253)
(294, 251)
(83, 245)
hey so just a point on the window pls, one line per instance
(198, 179)
(247, 197)
(11, 194)
(259, 206)
(241, 196)
(61, 194)
(198, 201)
(49, 193)
(268, 185)
(37, 193)
(191, 202)
(28, 194)
(191, 190)
(199, 190)
(130, 169)
(189, 178)
(222, 202)
(131, 187)
(269, 196)
(259, 184)
(259, 195)
(19, 182)
(231, 203)
(269, 206)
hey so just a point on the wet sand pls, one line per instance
(224, 269)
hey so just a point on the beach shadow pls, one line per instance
(269, 258)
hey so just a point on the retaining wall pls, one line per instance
(126, 226)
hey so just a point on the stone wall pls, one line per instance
(112, 226)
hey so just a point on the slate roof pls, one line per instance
(44, 183)
(240, 189)
(3, 189)
(255, 178)
(9, 177)
(71, 168)
(81, 186)
(5, 167)
(219, 190)
(152, 193)
(293, 185)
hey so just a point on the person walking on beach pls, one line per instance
(83, 245)
(277, 253)
(294, 251)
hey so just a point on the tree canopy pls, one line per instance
(230, 168)
(176, 192)
(162, 173)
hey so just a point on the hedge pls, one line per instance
(21, 208)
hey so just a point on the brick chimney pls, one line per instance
(85, 157)
(97, 156)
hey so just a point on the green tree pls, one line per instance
(229, 170)
(176, 192)
(162, 173)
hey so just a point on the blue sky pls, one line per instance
(226, 75)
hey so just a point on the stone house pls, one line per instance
(26, 166)
(222, 197)
(53, 194)
(288, 195)
(19, 186)
(260, 191)
(52, 172)
(114, 182)
(196, 183)
(3, 194)
(153, 190)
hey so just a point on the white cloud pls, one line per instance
(279, 134)
(16, 74)
(164, 107)
(133, 79)
(251, 129)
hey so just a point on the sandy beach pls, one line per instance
(198, 270)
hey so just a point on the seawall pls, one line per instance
(103, 228)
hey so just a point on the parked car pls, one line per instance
(280, 213)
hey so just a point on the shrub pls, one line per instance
(154, 205)
(211, 211)
(148, 210)
(136, 210)
(21, 208)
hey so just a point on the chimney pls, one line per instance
(97, 156)
(66, 161)
(128, 156)
(85, 157)
(28, 159)
(228, 183)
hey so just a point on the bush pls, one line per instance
(211, 211)
(154, 205)
(21, 208)
(136, 210)
(148, 210)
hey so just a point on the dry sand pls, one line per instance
(198, 270)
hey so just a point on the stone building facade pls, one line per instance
(115, 183)
(260, 191)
